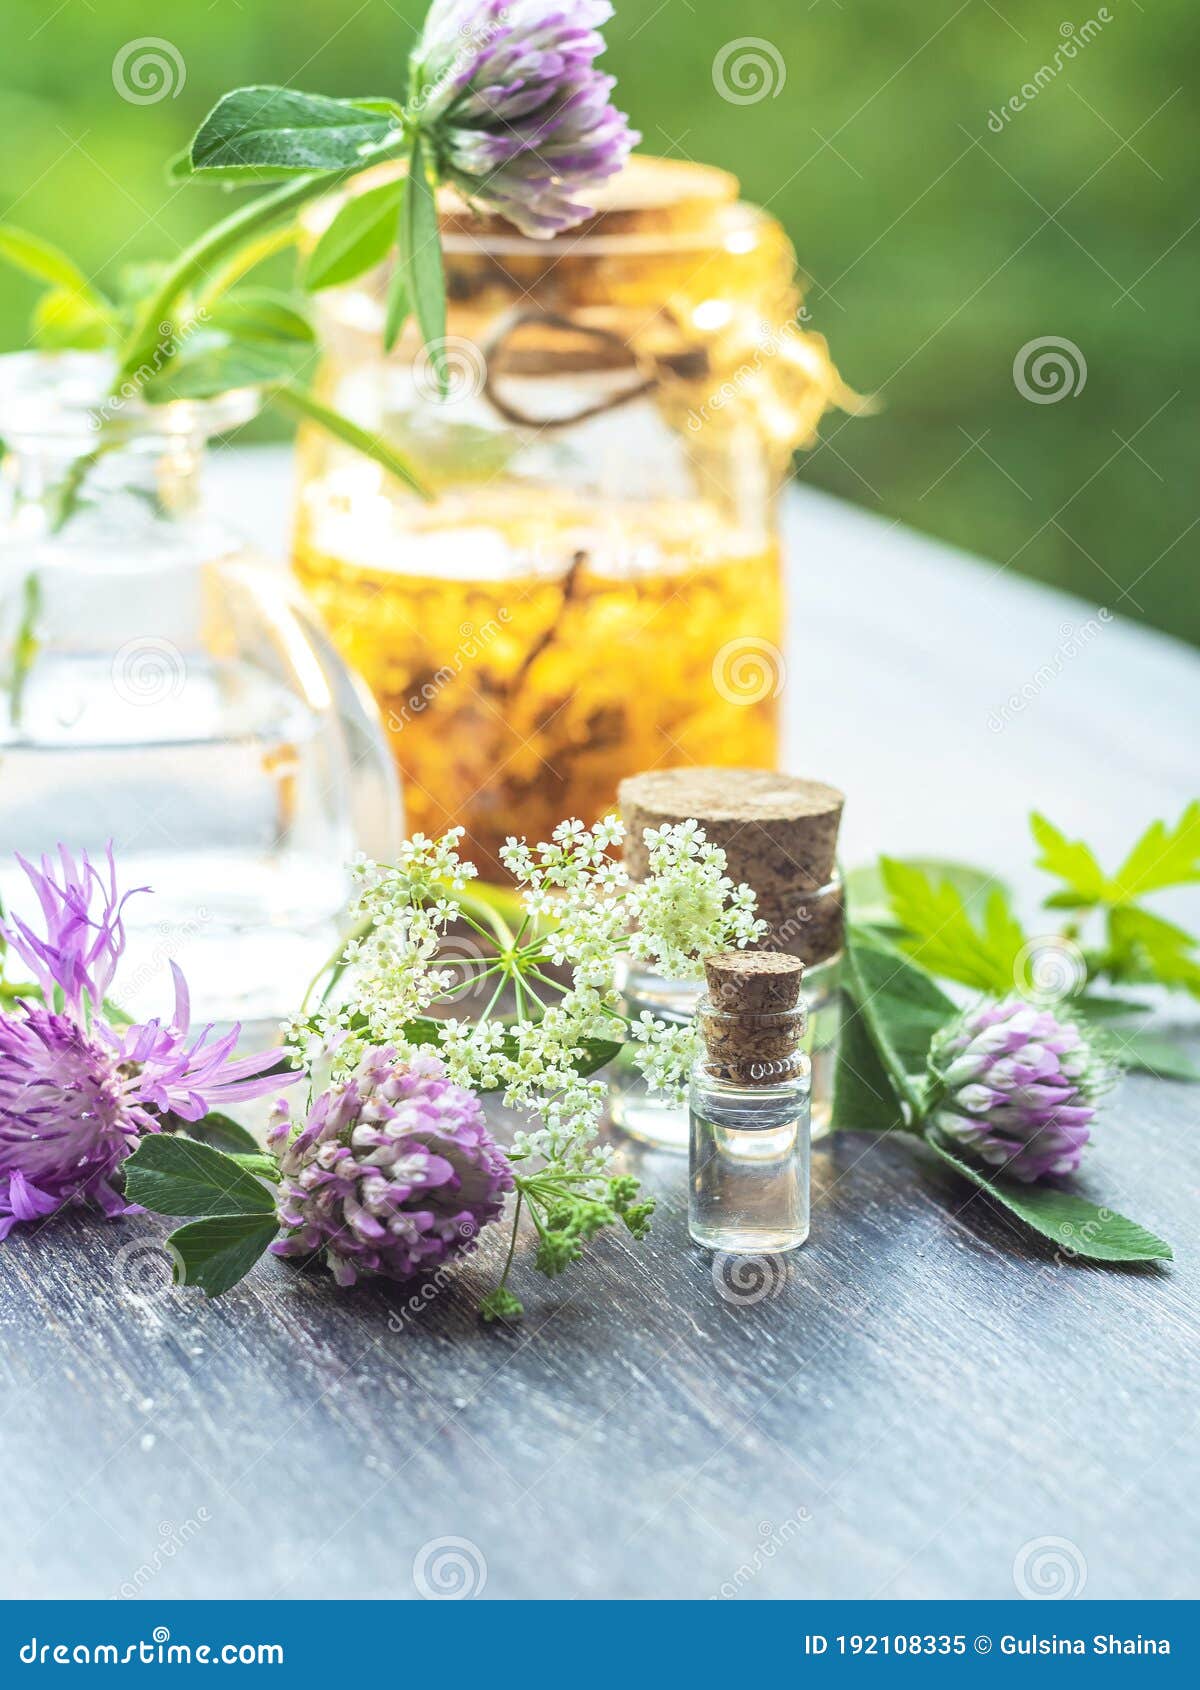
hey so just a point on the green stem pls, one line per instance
(255, 253)
(217, 243)
(512, 1243)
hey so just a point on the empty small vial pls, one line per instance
(749, 1108)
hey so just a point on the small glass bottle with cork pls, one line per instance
(779, 834)
(749, 1107)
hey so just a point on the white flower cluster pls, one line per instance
(581, 913)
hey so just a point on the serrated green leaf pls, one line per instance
(1078, 1227)
(869, 903)
(1144, 946)
(1069, 860)
(420, 255)
(268, 134)
(359, 237)
(215, 1254)
(174, 1175)
(1164, 856)
(942, 937)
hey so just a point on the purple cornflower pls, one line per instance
(518, 115)
(1018, 1087)
(394, 1172)
(76, 1090)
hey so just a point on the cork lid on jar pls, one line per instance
(778, 831)
(674, 278)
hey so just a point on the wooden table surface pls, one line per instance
(923, 1397)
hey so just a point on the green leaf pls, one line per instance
(420, 254)
(1162, 857)
(901, 1005)
(1101, 1008)
(864, 1098)
(225, 1134)
(358, 238)
(299, 400)
(260, 314)
(180, 1176)
(1071, 861)
(399, 307)
(1144, 946)
(500, 1304)
(1150, 1053)
(1078, 1227)
(65, 320)
(211, 362)
(267, 134)
(45, 261)
(870, 904)
(943, 938)
(215, 1254)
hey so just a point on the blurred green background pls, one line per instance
(938, 244)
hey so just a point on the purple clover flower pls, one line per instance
(394, 1172)
(1017, 1086)
(76, 1092)
(517, 113)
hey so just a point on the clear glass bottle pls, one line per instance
(750, 1135)
(163, 688)
(657, 1120)
(598, 586)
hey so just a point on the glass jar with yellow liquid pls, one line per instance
(595, 586)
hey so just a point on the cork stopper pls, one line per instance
(779, 834)
(753, 1017)
(753, 982)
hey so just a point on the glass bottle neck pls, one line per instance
(46, 482)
